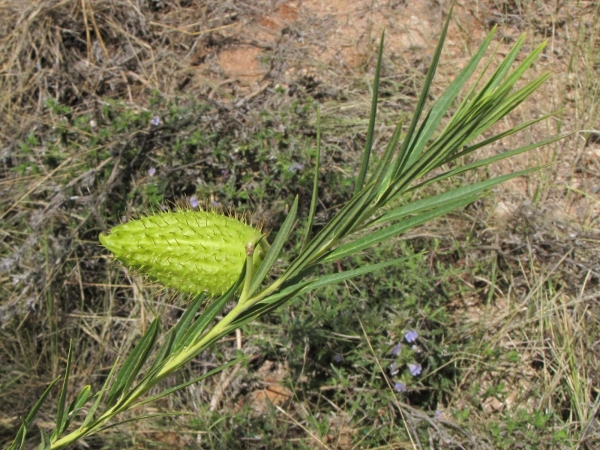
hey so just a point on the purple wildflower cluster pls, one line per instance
(411, 336)
(400, 387)
(415, 369)
(295, 167)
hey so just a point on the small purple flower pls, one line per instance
(411, 336)
(295, 167)
(281, 128)
(338, 358)
(415, 369)
(152, 171)
(194, 202)
(215, 204)
(438, 415)
(393, 369)
(400, 387)
(155, 121)
(396, 349)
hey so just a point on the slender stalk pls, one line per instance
(169, 368)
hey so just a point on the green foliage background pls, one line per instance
(506, 310)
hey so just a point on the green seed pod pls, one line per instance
(191, 251)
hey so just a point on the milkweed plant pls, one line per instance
(223, 260)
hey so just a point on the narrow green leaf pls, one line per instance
(174, 336)
(492, 82)
(77, 404)
(443, 104)
(378, 236)
(208, 315)
(486, 161)
(499, 110)
(99, 396)
(382, 175)
(165, 349)
(187, 318)
(471, 93)
(497, 137)
(489, 106)
(364, 166)
(462, 132)
(276, 247)
(446, 197)
(288, 290)
(315, 190)
(520, 70)
(258, 310)
(336, 227)
(194, 332)
(61, 414)
(279, 298)
(133, 363)
(145, 416)
(504, 66)
(190, 382)
(82, 398)
(336, 278)
(45, 442)
(19, 440)
(144, 353)
(405, 151)
(291, 287)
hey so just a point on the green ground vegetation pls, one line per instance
(503, 296)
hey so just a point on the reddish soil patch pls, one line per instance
(335, 41)
(242, 63)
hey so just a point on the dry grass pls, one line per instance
(540, 301)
